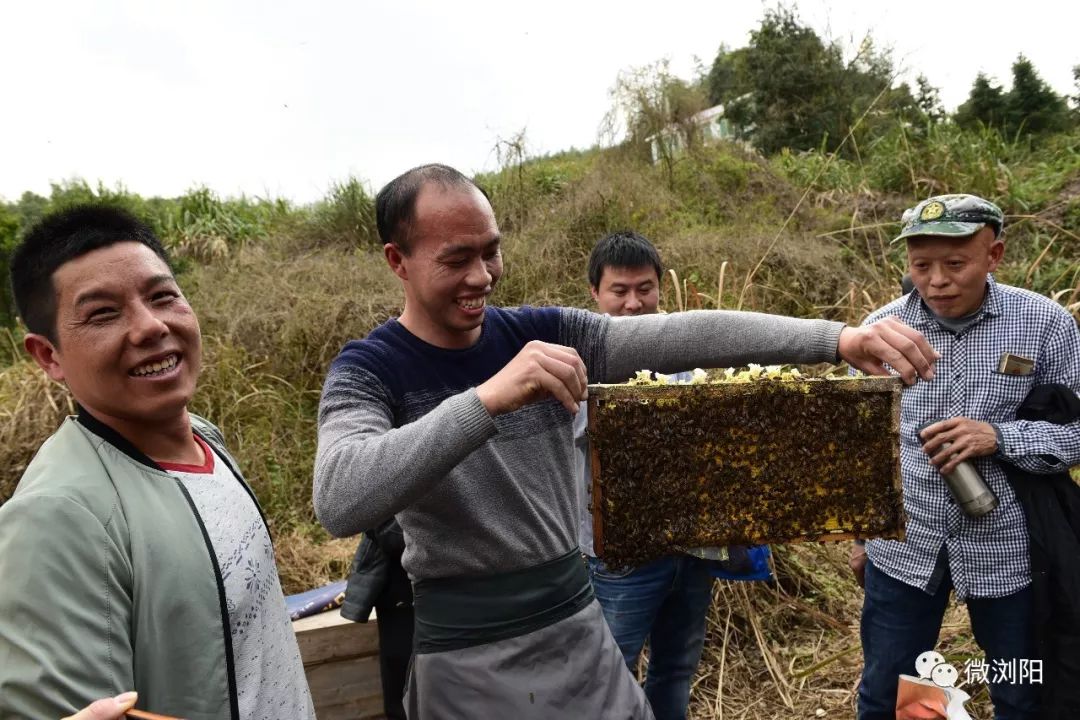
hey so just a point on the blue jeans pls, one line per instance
(899, 622)
(664, 601)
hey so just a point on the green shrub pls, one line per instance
(346, 216)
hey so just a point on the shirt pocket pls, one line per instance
(1006, 393)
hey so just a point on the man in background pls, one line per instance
(664, 601)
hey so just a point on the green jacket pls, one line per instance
(108, 583)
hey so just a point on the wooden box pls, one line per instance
(765, 461)
(341, 661)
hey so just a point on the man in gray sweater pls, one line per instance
(457, 417)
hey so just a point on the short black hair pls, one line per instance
(395, 205)
(623, 249)
(59, 238)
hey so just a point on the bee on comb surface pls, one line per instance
(762, 456)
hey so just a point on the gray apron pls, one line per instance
(526, 645)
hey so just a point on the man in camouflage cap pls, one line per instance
(996, 342)
(951, 216)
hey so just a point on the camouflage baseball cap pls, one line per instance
(951, 216)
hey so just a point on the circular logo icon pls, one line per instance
(926, 662)
(932, 211)
(944, 675)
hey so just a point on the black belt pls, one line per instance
(459, 612)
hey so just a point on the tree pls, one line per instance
(9, 226)
(657, 110)
(1031, 107)
(985, 105)
(796, 80)
(30, 208)
(789, 88)
(726, 80)
(1075, 99)
(928, 100)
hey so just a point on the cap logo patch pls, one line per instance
(932, 211)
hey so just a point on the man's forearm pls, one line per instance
(1039, 447)
(714, 338)
(367, 471)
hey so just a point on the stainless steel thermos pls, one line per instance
(967, 486)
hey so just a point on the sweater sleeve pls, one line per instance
(65, 612)
(367, 470)
(614, 348)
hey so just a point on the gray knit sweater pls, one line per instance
(402, 431)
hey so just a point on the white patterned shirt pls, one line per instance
(270, 681)
(988, 556)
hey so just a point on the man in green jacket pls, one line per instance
(133, 554)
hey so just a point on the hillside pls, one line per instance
(279, 289)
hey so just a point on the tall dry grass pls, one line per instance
(277, 307)
(791, 649)
(31, 408)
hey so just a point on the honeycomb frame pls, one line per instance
(683, 466)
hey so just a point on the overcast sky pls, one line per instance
(281, 98)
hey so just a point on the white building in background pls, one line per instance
(710, 122)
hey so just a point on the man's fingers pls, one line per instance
(935, 439)
(948, 467)
(958, 452)
(872, 368)
(539, 370)
(857, 563)
(936, 448)
(559, 391)
(954, 432)
(106, 708)
(881, 350)
(930, 432)
(571, 357)
(567, 355)
(903, 348)
(922, 345)
(561, 381)
(944, 431)
(913, 347)
(569, 372)
(561, 352)
(903, 354)
(940, 458)
(574, 360)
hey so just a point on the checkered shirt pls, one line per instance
(988, 556)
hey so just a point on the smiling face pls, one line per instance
(627, 290)
(950, 273)
(452, 267)
(127, 343)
